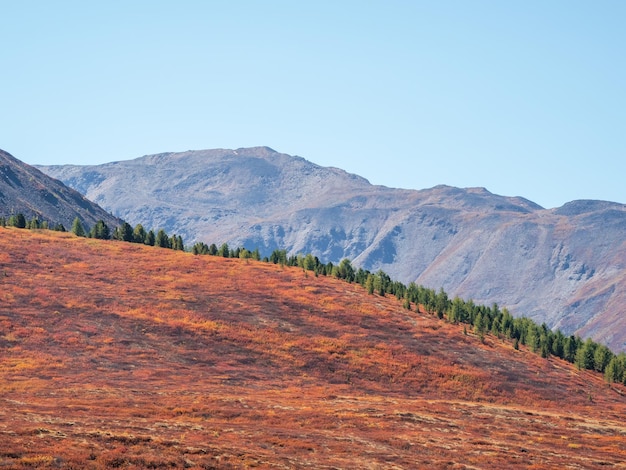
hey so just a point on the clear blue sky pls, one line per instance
(524, 98)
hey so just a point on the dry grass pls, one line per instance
(119, 355)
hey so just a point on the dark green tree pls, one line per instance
(150, 239)
(344, 270)
(177, 243)
(139, 234)
(34, 223)
(308, 263)
(615, 371)
(77, 228)
(224, 251)
(441, 303)
(601, 357)
(17, 221)
(124, 233)
(479, 325)
(200, 248)
(585, 355)
(570, 348)
(100, 231)
(162, 240)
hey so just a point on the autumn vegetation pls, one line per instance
(127, 355)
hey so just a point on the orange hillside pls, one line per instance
(122, 355)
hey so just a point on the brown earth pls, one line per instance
(120, 355)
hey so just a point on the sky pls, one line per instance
(525, 98)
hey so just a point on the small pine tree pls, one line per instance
(162, 240)
(100, 231)
(17, 221)
(200, 248)
(150, 238)
(77, 228)
(124, 233)
(613, 373)
(177, 243)
(139, 234)
(224, 251)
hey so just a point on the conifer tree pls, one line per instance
(150, 238)
(369, 284)
(224, 250)
(100, 231)
(139, 234)
(585, 355)
(601, 357)
(200, 248)
(34, 223)
(17, 221)
(77, 228)
(162, 240)
(124, 233)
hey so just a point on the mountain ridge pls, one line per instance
(553, 265)
(25, 189)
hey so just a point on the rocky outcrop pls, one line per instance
(24, 189)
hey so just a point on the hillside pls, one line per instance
(130, 356)
(24, 189)
(564, 266)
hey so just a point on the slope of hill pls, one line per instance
(124, 355)
(24, 189)
(562, 266)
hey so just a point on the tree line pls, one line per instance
(100, 230)
(483, 320)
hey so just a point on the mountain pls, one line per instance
(561, 266)
(24, 189)
(120, 355)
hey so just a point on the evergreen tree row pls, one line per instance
(498, 322)
(19, 221)
(127, 233)
(101, 231)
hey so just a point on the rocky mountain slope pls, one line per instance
(24, 189)
(563, 266)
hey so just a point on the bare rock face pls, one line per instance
(564, 266)
(24, 189)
